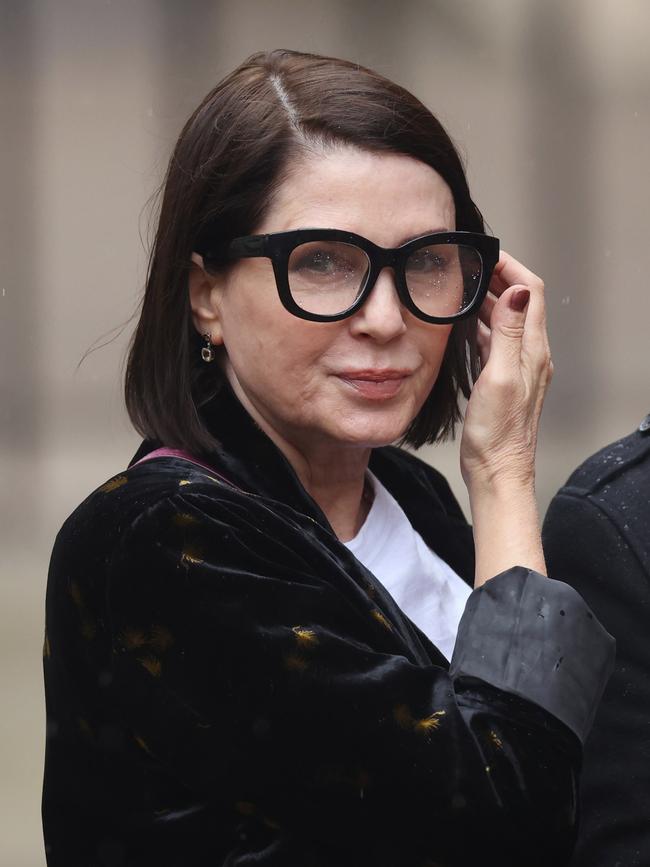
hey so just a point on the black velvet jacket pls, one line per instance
(227, 685)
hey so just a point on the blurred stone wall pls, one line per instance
(550, 104)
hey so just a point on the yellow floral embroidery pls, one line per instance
(75, 592)
(152, 664)
(158, 637)
(184, 482)
(113, 484)
(429, 723)
(191, 554)
(403, 716)
(182, 519)
(88, 628)
(305, 637)
(496, 740)
(381, 619)
(142, 744)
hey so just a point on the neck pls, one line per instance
(333, 475)
(345, 506)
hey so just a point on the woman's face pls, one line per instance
(320, 384)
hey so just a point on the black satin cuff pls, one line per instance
(536, 637)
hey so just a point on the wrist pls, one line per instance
(501, 487)
(511, 470)
(506, 527)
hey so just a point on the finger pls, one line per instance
(497, 285)
(507, 329)
(512, 272)
(499, 281)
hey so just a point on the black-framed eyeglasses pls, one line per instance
(327, 274)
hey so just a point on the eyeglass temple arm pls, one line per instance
(250, 246)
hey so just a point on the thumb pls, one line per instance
(507, 324)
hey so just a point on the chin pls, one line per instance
(370, 434)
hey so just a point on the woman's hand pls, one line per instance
(500, 431)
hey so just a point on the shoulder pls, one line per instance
(612, 464)
(169, 505)
(142, 493)
(605, 502)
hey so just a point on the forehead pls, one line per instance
(388, 198)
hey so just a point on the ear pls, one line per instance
(205, 290)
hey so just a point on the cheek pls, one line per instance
(247, 307)
(260, 335)
(433, 342)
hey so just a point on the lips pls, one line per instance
(375, 384)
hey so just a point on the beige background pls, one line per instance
(550, 103)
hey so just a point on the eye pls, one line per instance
(425, 261)
(319, 262)
(332, 261)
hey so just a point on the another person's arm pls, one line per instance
(592, 540)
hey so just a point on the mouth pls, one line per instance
(375, 384)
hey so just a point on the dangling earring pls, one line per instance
(207, 351)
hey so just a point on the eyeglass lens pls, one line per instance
(327, 277)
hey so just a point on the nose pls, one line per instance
(382, 316)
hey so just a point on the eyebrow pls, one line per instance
(436, 231)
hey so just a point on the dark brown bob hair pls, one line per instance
(231, 156)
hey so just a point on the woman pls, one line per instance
(228, 678)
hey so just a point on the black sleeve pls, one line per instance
(538, 639)
(588, 542)
(245, 674)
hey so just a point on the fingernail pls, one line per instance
(519, 299)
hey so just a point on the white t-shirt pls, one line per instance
(423, 585)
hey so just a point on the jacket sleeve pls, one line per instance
(250, 678)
